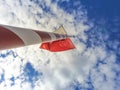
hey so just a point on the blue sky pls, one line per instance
(94, 65)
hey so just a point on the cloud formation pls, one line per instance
(82, 68)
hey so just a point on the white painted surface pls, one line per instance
(53, 37)
(28, 36)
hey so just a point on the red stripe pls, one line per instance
(57, 35)
(8, 39)
(44, 36)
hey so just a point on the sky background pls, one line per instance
(93, 65)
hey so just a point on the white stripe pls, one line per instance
(53, 37)
(28, 36)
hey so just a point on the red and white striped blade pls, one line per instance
(12, 37)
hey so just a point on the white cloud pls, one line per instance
(59, 69)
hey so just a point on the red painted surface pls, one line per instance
(59, 45)
(8, 39)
